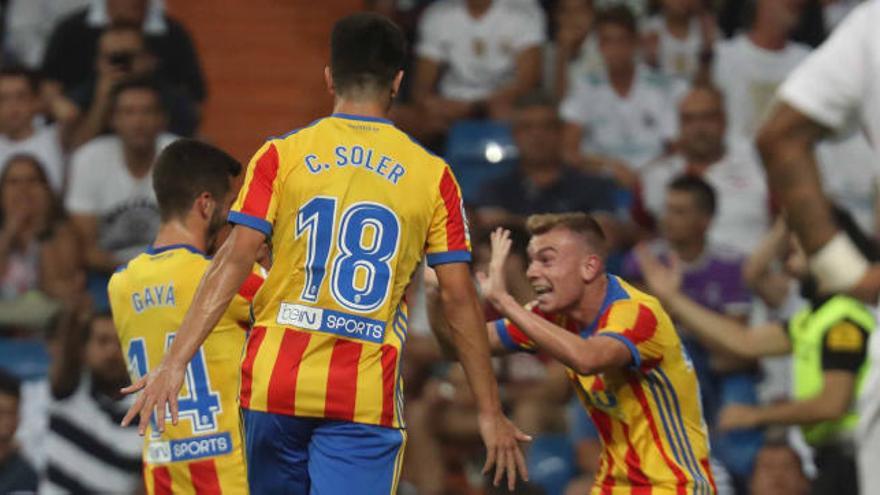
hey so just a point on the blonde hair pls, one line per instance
(579, 223)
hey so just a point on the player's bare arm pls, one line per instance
(226, 273)
(838, 388)
(439, 325)
(716, 331)
(463, 314)
(584, 356)
(787, 144)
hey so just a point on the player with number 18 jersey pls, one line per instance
(348, 202)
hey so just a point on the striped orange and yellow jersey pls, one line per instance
(149, 296)
(352, 204)
(648, 415)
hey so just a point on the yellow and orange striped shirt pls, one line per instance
(203, 453)
(351, 205)
(649, 415)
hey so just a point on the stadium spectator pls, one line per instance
(743, 212)
(618, 120)
(74, 42)
(39, 253)
(28, 24)
(541, 183)
(828, 341)
(474, 58)
(86, 449)
(749, 67)
(678, 41)
(735, 16)
(122, 55)
(778, 469)
(17, 476)
(19, 129)
(712, 277)
(111, 199)
(574, 52)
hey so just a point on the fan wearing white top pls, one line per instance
(678, 41)
(836, 89)
(474, 58)
(618, 120)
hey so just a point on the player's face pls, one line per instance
(537, 133)
(558, 261)
(18, 105)
(138, 118)
(219, 228)
(8, 417)
(778, 470)
(104, 354)
(682, 219)
(618, 47)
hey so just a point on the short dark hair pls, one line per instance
(618, 15)
(578, 222)
(702, 192)
(136, 83)
(187, 168)
(367, 50)
(9, 384)
(32, 77)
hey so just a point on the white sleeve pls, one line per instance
(431, 27)
(531, 30)
(81, 194)
(573, 106)
(830, 83)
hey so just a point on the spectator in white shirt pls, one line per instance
(111, 197)
(678, 41)
(619, 120)
(750, 66)
(20, 132)
(574, 52)
(474, 58)
(743, 213)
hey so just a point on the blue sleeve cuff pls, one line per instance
(435, 259)
(251, 221)
(636, 357)
(504, 337)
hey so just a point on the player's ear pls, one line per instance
(591, 268)
(206, 205)
(328, 80)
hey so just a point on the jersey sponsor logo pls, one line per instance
(329, 321)
(188, 449)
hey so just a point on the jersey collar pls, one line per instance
(613, 292)
(157, 250)
(362, 118)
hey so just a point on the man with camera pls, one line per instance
(123, 54)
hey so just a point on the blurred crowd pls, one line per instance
(640, 112)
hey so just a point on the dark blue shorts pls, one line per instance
(307, 456)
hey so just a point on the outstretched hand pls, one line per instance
(663, 281)
(502, 438)
(159, 391)
(493, 284)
